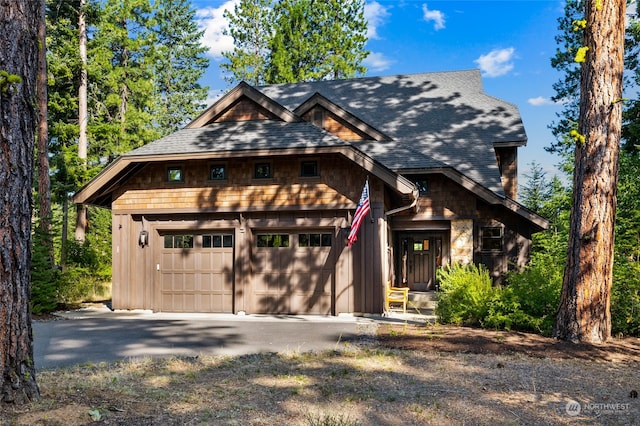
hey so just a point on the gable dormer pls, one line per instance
(326, 115)
(243, 103)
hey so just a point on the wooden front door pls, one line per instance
(420, 255)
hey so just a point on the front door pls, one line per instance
(420, 255)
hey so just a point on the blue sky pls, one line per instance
(510, 41)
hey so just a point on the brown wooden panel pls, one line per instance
(196, 279)
(293, 280)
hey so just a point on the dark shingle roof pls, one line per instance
(240, 136)
(434, 120)
(441, 118)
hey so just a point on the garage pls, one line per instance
(196, 272)
(293, 273)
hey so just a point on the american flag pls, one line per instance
(363, 209)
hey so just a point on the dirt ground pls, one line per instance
(403, 375)
(452, 339)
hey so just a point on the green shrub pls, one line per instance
(625, 297)
(529, 301)
(45, 277)
(86, 274)
(465, 292)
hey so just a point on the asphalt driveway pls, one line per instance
(99, 335)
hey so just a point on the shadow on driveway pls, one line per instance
(99, 335)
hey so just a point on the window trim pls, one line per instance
(321, 240)
(259, 164)
(189, 237)
(169, 169)
(226, 240)
(224, 172)
(316, 168)
(270, 240)
(499, 238)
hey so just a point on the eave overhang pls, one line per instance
(99, 190)
(486, 195)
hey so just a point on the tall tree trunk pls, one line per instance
(65, 231)
(83, 117)
(584, 313)
(44, 182)
(19, 51)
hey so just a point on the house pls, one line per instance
(247, 208)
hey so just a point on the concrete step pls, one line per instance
(422, 300)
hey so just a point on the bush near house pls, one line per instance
(527, 302)
(465, 294)
(529, 299)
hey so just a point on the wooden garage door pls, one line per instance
(293, 273)
(196, 273)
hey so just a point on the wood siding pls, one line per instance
(245, 109)
(508, 164)
(347, 280)
(335, 187)
(333, 124)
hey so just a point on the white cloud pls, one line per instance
(433, 15)
(497, 62)
(212, 21)
(540, 101)
(375, 15)
(377, 62)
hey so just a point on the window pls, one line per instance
(491, 238)
(174, 174)
(218, 172)
(178, 241)
(309, 168)
(273, 240)
(421, 182)
(217, 240)
(314, 240)
(262, 171)
(421, 245)
(423, 186)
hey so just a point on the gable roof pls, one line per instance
(443, 118)
(318, 100)
(242, 90)
(422, 123)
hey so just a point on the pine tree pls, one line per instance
(536, 190)
(584, 312)
(568, 87)
(317, 41)
(296, 40)
(250, 26)
(179, 66)
(19, 54)
(121, 80)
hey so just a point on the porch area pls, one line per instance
(421, 306)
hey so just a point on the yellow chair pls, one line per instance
(396, 295)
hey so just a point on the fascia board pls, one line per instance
(100, 180)
(242, 89)
(490, 197)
